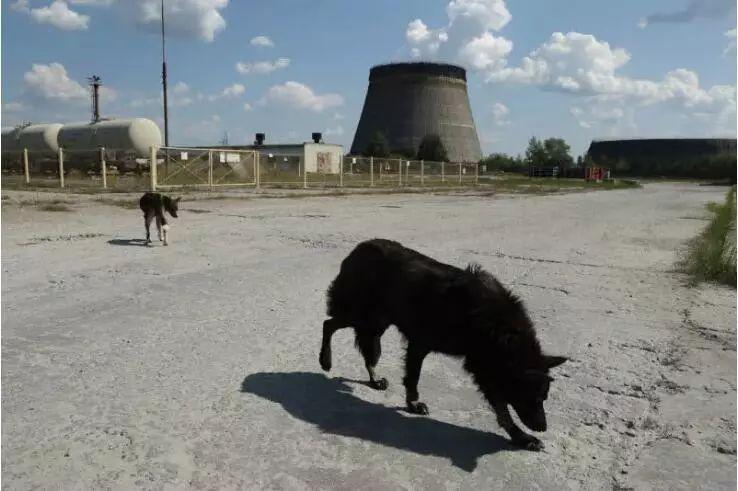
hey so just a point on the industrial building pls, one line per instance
(678, 157)
(313, 156)
(407, 101)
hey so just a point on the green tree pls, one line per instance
(557, 153)
(535, 154)
(378, 146)
(503, 162)
(431, 148)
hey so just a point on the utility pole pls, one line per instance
(164, 78)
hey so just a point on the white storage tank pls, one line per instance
(39, 139)
(138, 135)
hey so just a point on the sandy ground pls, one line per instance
(195, 365)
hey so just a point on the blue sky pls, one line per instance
(567, 68)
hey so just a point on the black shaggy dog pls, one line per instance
(441, 308)
(154, 205)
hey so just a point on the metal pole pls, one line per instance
(443, 175)
(422, 172)
(25, 166)
(61, 166)
(399, 173)
(407, 173)
(371, 171)
(476, 174)
(103, 169)
(304, 174)
(164, 78)
(460, 166)
(152, 168)
(340, 183)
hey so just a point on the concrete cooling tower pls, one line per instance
(406, 101)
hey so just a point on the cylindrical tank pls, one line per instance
(138, 135)
(407, 101)
(39, 139)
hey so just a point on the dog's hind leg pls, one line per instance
(147, 222)
(413, 363)
(330, 326)
(158, 226)
(371, 348)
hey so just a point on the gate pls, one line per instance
(205, 167)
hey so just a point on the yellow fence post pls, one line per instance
(371, 171)
(422, 172)
(443, 174)
(61, 167)
(103, 168)
(25, 166)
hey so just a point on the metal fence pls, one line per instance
(209, 168)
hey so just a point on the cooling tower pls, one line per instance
(406, 101)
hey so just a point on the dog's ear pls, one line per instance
(554, 361)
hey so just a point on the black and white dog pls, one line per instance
(154, 205)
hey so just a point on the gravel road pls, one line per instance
(195, 365)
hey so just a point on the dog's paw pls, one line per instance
(418, 408)
(379, 384)
(325, 361)
(528, 442)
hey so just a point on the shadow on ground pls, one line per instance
(329, 404)
(128, 242)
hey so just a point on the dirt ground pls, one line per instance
(195, 365)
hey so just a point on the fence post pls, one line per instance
(152, 167)
(340, 177)
(443, 172)
(25, 166)
(422, 172)
(257, 170)
(399, 173)
(61, 167)
(371, 171)
(304, 173)
(476, 174)
(407, 173)
(103, 168)
(460, 166)
(210, 169)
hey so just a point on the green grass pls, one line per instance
(711, 256)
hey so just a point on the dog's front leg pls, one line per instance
(413, 363)
(518, 436)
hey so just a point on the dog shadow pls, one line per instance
(330, 405)
(128, 242)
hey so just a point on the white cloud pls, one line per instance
(466, 37)
(485, 52)
(262, 42)
(191, 18)
(59, 15)
(581, 64)
(52, 82)
(262, 67)
(247, 107)
(20, 6)
(731, 48)
(300, 96)
(234, 90)
(180, 88)
(500, 112)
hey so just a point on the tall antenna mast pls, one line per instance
(164, 78)
(95, 83)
